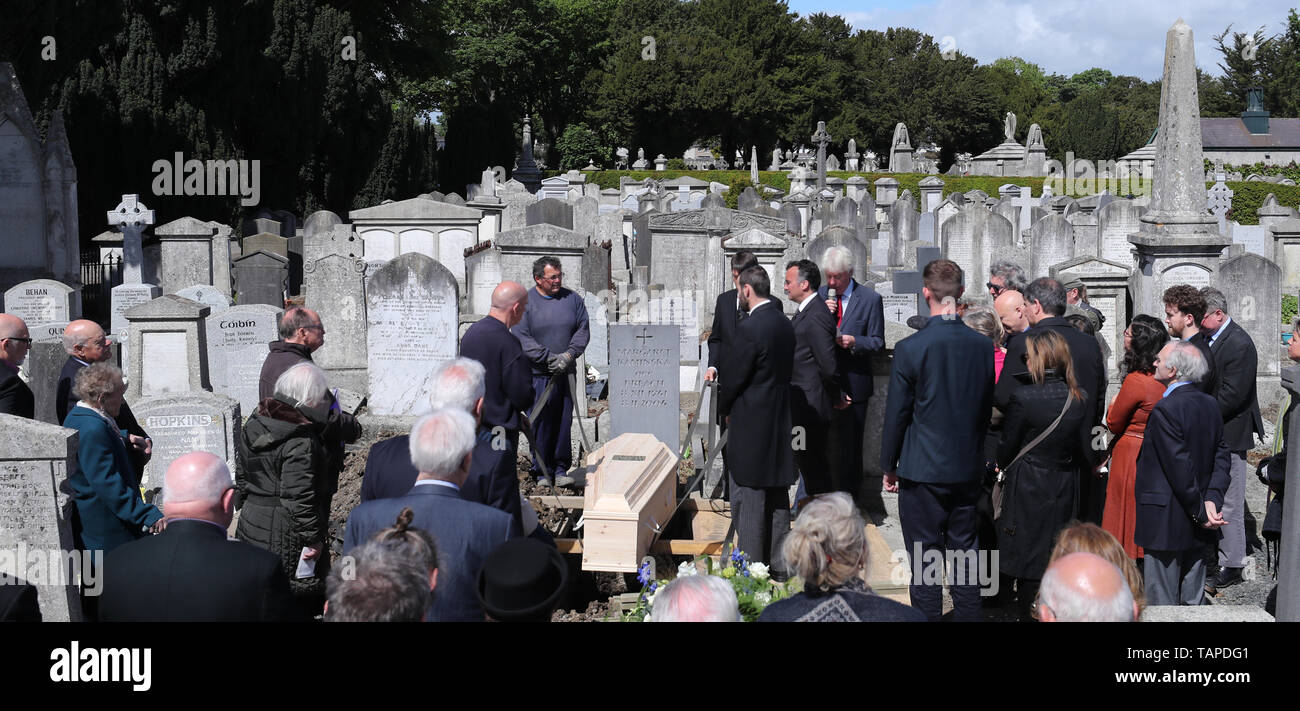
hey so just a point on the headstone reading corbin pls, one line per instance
(411, 311)
(644, 381)
(35, 505)
(237, 341)
(180, 423)
(168, 343)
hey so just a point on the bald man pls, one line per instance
(507, 385)
(1010, 306)
(15, 397)
(86, 343)
(1083, 587)
(190, 572)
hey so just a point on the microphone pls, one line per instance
(830, 293)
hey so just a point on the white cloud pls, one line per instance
(1069, 36)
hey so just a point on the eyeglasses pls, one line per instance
(554, 277)
(997, 290)
(27, 341)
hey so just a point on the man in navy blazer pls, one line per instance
(860, 333)
(1182, 476)
(465, 532)
(15, 397)
(932, 445)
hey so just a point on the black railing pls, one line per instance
(98, 277)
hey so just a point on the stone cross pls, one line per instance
(822, 139)
(131, 217)
(1219, 201)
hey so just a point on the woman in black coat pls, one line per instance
(285, 484)
(1041, 487)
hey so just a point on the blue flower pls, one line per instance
(737, 556)
(643, 573)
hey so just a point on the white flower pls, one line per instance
(758, 571)
(687, 568)
(762, 597)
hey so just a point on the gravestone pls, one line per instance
(209, 296)
(42, 366)
(925, 227)
(1115, 222)
(168, 343)
(261, 278)
(335, 289)
(130, 217)
(266, 242)
(1107, 284)
(644, 387)
(412, 317)
(904, 226)
(972, 237)
(549, 212)
(838, 237)
(749, 200)
(181, 423)
(585, 210)
(1286, 252)
(1252, 287)
(598, 318)
(189, 251)
(36, 509)
(675, 309)
(1255, 238)
(42, 301)
(1051, 242)
(237, 341)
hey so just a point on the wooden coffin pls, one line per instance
(631, 485)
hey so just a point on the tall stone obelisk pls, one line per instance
(1178, 241)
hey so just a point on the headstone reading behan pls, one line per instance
(237, 341)
(43, 301)
(411, 310)
(644, 381)
(36, 542)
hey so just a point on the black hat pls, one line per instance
(522, 581)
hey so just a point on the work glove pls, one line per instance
(560, 363)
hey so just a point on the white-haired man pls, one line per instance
(441, 447)
(190, 572)
(456, 383)
(1084, 587)
(1182, 478)
(860, 332)
(696, 598)
(86, 343)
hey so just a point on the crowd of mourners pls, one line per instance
(998, 439)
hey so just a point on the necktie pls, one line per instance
(839, 310)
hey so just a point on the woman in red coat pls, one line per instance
(1127, 418)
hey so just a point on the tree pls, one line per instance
(580, 144)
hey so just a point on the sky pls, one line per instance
(1063, 36)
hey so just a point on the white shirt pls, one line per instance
(1219, 332)
(844, 298)
(436, 482)
(804, 304)
(755, 306)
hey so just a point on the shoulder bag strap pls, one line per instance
(1043, 435)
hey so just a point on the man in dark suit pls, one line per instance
(191, 572)
(507, 391)
(1182, 475)
(442, 445)
(727, 314)
(1235, 363)
(859, 317)
(1184, 311)
(815, 391)
(15, 397)
(755, 395)
(932, 445)
(86, 343)
(1045, 308)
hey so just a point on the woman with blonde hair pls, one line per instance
(1081, 537)
(827, 549)
(1045, 440)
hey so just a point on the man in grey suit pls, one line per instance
(442, 443)
(815, 390)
